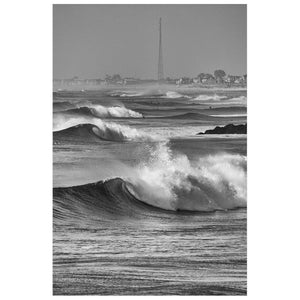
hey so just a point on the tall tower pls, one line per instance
(160, 74)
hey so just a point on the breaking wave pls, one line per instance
(101, 111)
(131, 94)
(214, 97)
(171, 181)
(63, 105)
(174, 95)
(115, 112)
(102, 200)
(241, 98)
(109, 131)
(149, 93)
(167, 181)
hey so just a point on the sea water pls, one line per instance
(168, 214)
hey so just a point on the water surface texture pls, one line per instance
(142, 205)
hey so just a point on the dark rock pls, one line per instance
(228, 129)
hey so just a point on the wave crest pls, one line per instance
(101, 111)
(174, 95)
(109, 131)
(214, 97)
(241, 98)
(114, 112)
(170, 181)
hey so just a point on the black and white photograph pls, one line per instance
(138, 160)
(149, 149)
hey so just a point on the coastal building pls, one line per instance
(235, 80)
(130, 80)
(206, 78)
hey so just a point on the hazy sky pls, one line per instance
(90, 41)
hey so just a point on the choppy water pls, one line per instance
(168, 214)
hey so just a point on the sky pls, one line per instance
(90, 41)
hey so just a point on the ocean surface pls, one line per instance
(142, 205)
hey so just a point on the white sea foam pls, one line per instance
(113, 112)
(174, 95)
(230, 115)
(131, 94)
(171, 181)
(214, 97)
(241, 98)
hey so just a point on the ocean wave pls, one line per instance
(229, 115)
(241, 98)
(199, 116)
(174, 95)
(87, 132)
(170, 182)
(108, 199)
(63, 105)
(149, 93)
(115, 112)
(188, 116)
(104, 130)
(129, 93)
(227, 109)
(104, 112)
(214, 97)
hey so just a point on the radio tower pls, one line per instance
(160, 57)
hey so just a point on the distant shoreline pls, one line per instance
(156, 86)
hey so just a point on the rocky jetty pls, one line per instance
(228, 129)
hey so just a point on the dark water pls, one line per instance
(143, 206)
